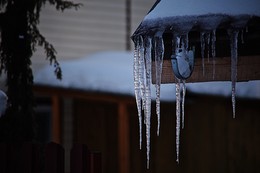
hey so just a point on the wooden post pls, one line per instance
(54, 158)
(123, 137)
(79, 161)
(95, 162)
(56, 119)
(30, 158)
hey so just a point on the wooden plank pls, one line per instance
(95, 162)
(54, 158)
(123, 139)
(30, 158)
(56, 119)
(248, 68)
(78, 159)
(45, 90)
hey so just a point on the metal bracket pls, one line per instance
(183, 63)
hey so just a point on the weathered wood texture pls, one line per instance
(248, 68)
(212, 141)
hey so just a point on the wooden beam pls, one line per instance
(248, 68)
(45, 90)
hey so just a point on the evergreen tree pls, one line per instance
(19, 37)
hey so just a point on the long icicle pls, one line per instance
(137, 87)
(142, 71)
(159, 53)
(233, 41)
(213, 51)
(183, 101)
(202, 47)
(185, 45)
(178, 99)
(208, 43)
(148, 64)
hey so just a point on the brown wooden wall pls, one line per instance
(212, 141)
(95, 124)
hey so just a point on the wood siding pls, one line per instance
(212, 141)
(99, 25)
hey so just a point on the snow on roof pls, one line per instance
(112, 72)
(169, 8)
(184, 15)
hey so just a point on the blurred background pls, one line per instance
(94, 104)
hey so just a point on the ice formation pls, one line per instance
(147, 47)
(233, 34)
(142, 85)
(179, 23)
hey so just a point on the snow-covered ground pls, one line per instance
(112, 72)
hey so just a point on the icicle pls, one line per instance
(208, 43)
(202, 47)
(183, 100)
(178, 110)
(137, 87)
(185, 41)
(178, 41)
(213, 51)
(142, 71)
(233, 44)
(148, 64)
(159, 53)
(148, 127)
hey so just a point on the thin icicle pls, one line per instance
(185, 45)
(148, 64)
(178, 112)
(233, 44)
(137, 87)
(208, 43)
(178, 41)
(202, 47)
(213, 51)
(185, 41)
(159, 53)
(148, 73)
(148, 136)
(183, 101)
(142, 71)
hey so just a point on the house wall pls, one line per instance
(99, 25)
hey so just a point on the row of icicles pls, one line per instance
(147, 47)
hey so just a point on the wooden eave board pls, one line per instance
(248, 68)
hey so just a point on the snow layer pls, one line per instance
(170, 8)
(112, 72)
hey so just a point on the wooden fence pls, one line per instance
(36, 158)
